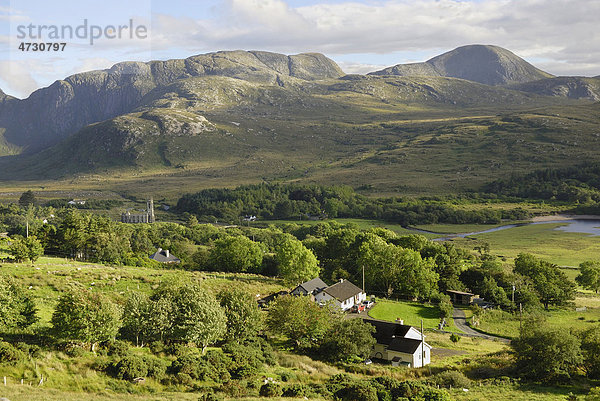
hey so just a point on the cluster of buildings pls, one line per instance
(400, 344)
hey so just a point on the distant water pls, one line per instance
(591, 227)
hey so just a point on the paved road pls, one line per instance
(460, 321)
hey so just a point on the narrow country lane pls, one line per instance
(460, 321)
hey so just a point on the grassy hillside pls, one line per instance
(385, 135)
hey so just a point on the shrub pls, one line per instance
(130, 367)
(454, 338)
(211, 397)
(157, 347)
(295, 390)
(270, 390)
(452, 378)
(213, 366)
(246, 359)
(357, 390)
(29, 349)
(116, 348)
(433, 394)
(286, 376)
(9, 354)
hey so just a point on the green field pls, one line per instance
(541, 240)
(507, 325)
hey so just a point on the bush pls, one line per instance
(213, 366)
(211, 397)
(295, 390)
(357, 390)
(454, 338)
(270, 390)
(452, 378)
(29, 349)
(115, 348)
(157, 347)
(10, 354)
(130, 367)
(247, 359)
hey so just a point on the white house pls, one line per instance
(400, 344)
(344, 294)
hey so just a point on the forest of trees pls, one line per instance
(275, 201)
(579, 184)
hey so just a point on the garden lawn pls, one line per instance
(411, 312)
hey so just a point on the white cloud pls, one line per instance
(350, 67)
(16, 78)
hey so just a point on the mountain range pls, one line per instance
(239, 116)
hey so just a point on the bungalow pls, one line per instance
(400, 344)
(310, 287)
(164, 256)
(343, 294)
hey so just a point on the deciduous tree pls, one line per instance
(589, 275)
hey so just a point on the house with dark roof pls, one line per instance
(344, 294)
(311, 287)
(164, 256)
(400, 344)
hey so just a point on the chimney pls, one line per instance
(341, 280)
(159, 250)
(167, 253)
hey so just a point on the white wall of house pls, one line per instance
(418, 356)
(323, 297)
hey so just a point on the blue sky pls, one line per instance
(559, 36)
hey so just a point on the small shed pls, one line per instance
(461, 297)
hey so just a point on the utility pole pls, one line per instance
(422, 346)
(363, 275)
(513, 294)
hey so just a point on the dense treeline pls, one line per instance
(579, 184)
(276, 201)
(408, 266)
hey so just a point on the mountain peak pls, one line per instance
(486, 64)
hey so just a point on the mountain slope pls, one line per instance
(56, 112)
(490, 65)
(268, 128)
(570, 87)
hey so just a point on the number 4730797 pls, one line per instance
(42, 47)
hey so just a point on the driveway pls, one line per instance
(460, 320)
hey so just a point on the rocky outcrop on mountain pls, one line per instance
(56, 112)
(570, 87)
(490, 65)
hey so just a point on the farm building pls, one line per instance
(461, 298)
